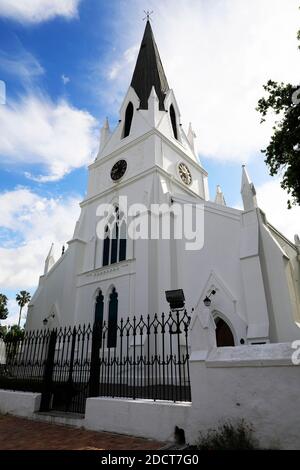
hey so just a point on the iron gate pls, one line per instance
(135, 358)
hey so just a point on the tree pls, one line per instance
(14, 333)
(282, 155)
(3, 313)
(3, 307)
(22, 299)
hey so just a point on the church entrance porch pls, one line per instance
(146, 357)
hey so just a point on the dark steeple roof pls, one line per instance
(149, 71)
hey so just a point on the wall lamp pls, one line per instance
(175, 299)
(45, 321)
(207, 300)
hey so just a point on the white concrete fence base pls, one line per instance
(143, 418)
(19, 403)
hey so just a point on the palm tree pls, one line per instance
(22, 299)
(3, 307)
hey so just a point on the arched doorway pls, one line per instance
(224, 336)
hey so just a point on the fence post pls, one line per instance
(69, 389)
(48, 373)
(95, 360)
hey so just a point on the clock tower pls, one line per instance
(149, 137)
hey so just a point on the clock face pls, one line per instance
(118, 170)
(184, 173)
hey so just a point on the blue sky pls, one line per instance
(67, 64)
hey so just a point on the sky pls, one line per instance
(67, 64)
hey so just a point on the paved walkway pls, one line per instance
(23, 434)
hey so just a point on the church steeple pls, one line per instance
(149, 71)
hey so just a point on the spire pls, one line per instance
(149, 71)
(248, 191)
(219, 199)
(104, 134)
(50, 260)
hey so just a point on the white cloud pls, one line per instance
(36, 130)
(13, 316)
(21, 64)
(36, 11)
(37, 222)
(272, 199)
(217, 55)
(65, 79)
(128, 58)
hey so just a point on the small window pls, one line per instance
(122, 245)
(112, 319)
(173, 121)
(114, 244)
(106, 246)
(128, 119)
(99, 309)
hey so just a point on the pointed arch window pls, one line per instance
(173, 121)
(99, 309)
(106, 246)
(115, 239)
(128, 119)
(122, 242)
(112, 319)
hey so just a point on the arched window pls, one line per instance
(224, 336)
(128, 119)
(115, 239)
(122, 243)
(106, 247)
(173, 121)
(112, 319)
(99, 308)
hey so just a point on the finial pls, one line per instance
(219, 199)
(248, 191)
(148, 15)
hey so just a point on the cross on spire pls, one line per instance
(148, 15)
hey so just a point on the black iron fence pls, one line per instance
(136, 358)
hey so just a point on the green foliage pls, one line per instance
(3, 307)
(3, 331)
(14, 333)
(22, 299)
(13, 338)
(282, 155)
(228, 436)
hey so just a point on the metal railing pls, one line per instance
(145, 357)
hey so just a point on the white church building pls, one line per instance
(243, 267)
